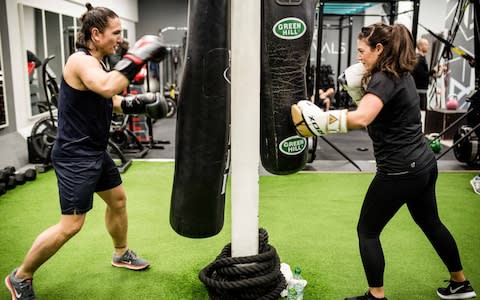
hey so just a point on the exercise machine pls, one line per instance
(44, 131)
(466, 140)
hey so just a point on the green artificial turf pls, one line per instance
(311, 220)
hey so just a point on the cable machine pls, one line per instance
(466, 144)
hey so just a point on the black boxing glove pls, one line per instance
(153, 105)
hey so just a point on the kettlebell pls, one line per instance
(436, 146)
(452, 102)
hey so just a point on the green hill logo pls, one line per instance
(293, 145)
(289, 28)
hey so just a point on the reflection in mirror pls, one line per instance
(43, 38)
(68, 36)
(34, 43)
(54, 44)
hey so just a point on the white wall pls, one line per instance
(432, 15)
(126, 9)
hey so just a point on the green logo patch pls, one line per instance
(289, 28)
(293, 145)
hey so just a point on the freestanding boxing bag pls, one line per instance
(203, 121)
(287, 30)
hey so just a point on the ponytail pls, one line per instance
(398, 54)
(403, 48)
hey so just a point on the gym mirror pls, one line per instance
(43, 37)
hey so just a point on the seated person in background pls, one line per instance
(325, 87)
(325, 97)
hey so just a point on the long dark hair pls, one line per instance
(398, 54)
(94, 17)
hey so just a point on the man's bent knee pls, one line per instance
(71, 224)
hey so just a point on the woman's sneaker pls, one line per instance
(20, 289)
(129, 260)
(456, 290)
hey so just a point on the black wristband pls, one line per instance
(132, 106)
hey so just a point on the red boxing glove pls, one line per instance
(149, 47)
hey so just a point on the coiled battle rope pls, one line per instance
(228, 278)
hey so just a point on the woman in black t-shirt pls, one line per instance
(406, 167)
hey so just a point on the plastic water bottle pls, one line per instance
(292, 294)
(299, 284)
(297, 273)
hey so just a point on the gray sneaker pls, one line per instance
(130, 260)
(20, 289)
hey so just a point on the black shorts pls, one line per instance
(78, 180)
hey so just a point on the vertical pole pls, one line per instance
(416, 9)
(350, 37)
(245, 32)
(321, 5)
(340, 39)
(393, 12)
(476, 31)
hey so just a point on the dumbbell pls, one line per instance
(30, 174)
(11, 182)
(19, 178)
(3, 176)
(3, 188)
(8, 177)
(10, 170)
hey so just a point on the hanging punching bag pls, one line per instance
(287, 30)
(203, 120)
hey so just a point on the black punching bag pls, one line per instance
(287, 30)
(203, 124)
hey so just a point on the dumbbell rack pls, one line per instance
(10, 178)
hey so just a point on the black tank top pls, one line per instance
(84, 119)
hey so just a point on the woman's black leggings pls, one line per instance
(384, 198)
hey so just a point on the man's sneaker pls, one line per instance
(367, 296)
(130, 260)
(475, 183)
(456, 290)
(20, 289)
